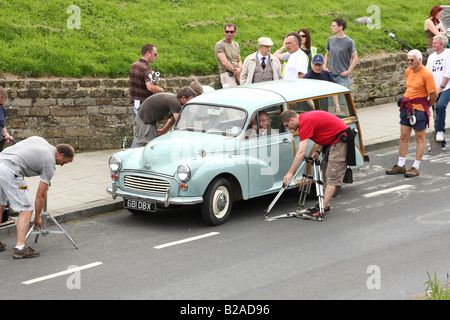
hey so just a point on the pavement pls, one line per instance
(78, 189)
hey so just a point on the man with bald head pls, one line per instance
(30, 157)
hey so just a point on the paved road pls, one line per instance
(382, 236)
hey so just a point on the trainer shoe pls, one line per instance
(440, 136)
(2, 247)
(11, 211)
(26, 252)
(413, 172)
(316, 209)
(314, 212)
(396, 170)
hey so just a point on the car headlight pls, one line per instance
(183, 172)
(114, 163)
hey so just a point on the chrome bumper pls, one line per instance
(166, 200)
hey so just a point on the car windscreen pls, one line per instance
(211, 119)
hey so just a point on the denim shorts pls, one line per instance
(421, 120)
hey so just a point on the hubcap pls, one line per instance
(220, 203)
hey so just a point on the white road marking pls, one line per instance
(390, 190)
(437, 218)
(186, 240)
(58, 274)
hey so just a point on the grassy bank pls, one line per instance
(41, 38)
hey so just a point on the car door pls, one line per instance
(269, 151)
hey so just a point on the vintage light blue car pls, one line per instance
(217, 154)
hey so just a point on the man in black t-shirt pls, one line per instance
(318, 73)
(155, 108)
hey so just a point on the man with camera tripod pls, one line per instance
(333, 137)
(31, 157)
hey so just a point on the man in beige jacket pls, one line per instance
(261, 65)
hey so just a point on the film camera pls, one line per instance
(154, 77)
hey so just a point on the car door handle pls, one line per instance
(286, 140)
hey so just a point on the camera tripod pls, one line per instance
(42, 230)
(305, 189)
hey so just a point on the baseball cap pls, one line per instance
(318, 58)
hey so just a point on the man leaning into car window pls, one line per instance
(155, 108)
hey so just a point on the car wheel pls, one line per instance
(217, 202)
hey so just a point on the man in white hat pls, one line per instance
(261, 65)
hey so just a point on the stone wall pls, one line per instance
(379, 80)
(89, 114)
(92, 114)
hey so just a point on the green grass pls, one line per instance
(35, 39)
(434, 290)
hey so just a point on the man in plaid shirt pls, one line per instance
(141, 79)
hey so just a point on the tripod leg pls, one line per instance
(29, 232)
(64, 231)
(305, 189)
(319, 188)
(266, 214)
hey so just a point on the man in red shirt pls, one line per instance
(332, 136)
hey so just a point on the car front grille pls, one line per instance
(146, 184)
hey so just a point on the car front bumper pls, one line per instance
(165, 199)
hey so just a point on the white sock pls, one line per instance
(20, 247)
(416, 164)
(401, 161)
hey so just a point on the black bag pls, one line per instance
(348, 177)
(5, 215)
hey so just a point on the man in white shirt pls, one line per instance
(297, 65)
(439, 65)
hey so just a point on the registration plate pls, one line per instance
(139, 205)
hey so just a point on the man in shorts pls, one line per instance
(420, 94)
(333, 137)
(31, 157)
